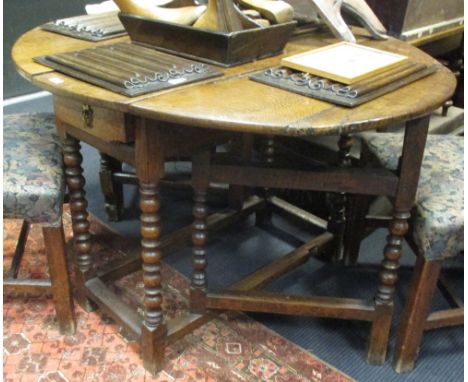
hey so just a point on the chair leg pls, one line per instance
(60, 280)
(418, 303)
(19, 250)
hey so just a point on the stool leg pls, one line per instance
(113, 191)
(78, 206)
(417, 306)
(61, 288)
(200, 182)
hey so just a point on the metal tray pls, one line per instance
(225, 49)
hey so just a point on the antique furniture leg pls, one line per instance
(61, 289)
(150, 169)
(413, 319)
(78, 206)
(19, 250)
(337, 222)
(199, 236)
(436, 234)
(112, 190)
(410, 165)
(267, 149)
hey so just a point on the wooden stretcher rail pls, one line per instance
(443, 318)
(261, 277)
(108, 302)
(177, 239)
(359, 181)
(341, 308)
(26, 286)
(298, 212)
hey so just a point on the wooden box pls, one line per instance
(225, 49)
(412, 19)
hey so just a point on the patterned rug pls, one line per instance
(239, 349)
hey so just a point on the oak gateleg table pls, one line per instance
(144, 130)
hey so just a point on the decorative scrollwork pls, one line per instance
(139, 81)
(312, 82)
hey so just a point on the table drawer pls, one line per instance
(106, 124)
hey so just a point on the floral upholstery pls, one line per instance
(33, 179)
(438, 221)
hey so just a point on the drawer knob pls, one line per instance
(87, 115)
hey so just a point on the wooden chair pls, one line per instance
(33, 190)
(437, 234)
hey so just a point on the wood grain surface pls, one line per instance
(235, 103)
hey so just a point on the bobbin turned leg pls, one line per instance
(200, 183)
(153, 332)
(113, 191)
(78, 207)
(386, 288)
(150, 169)
(410, 166)
(264, 215)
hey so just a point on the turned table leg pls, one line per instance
(200, 183)
(410, 167)
(150, 169)
(79, 214)
(386, 288)
(153, 332)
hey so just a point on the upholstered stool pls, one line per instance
(437, 233)
(33, 190)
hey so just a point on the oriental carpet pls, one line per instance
(224, 349)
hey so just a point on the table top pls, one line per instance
(235, 103)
